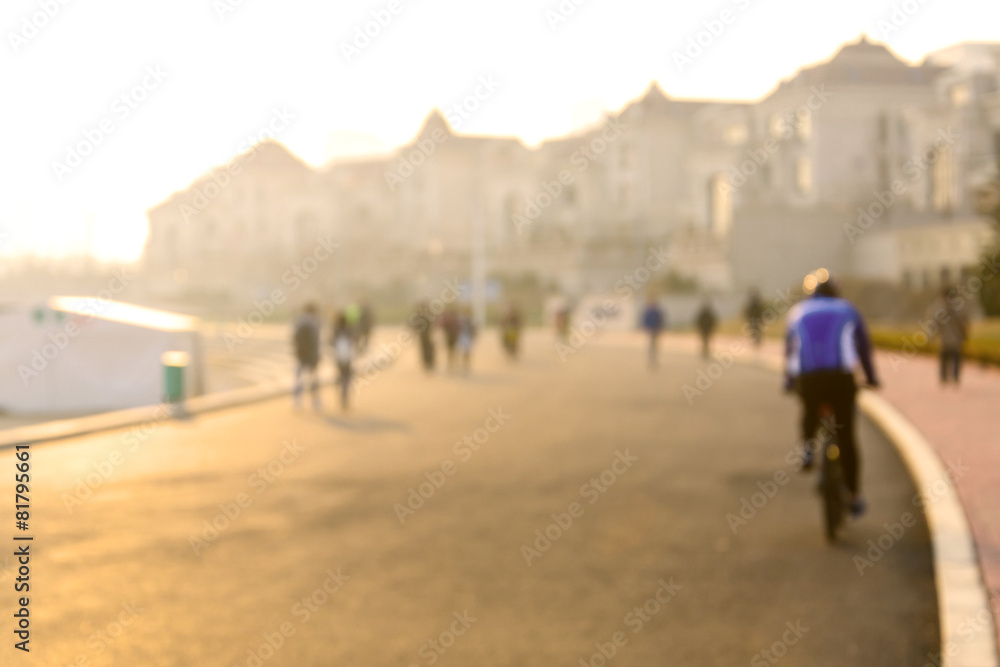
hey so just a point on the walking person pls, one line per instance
(343, 355)
(562, 323)
(450, 324)
(510, 331)
(352, 315)
(654, 321)
(706, 321)
(422, 321)
(305, 340)
(466, 335)
(366, 322)
(754, 312)
(953, 332)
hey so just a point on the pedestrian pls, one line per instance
(466, 335)
(510, 331)
(706, 321)
(352, 315)
(654, 321)
(305, 339)
(754, 312)
(953, 332)
(449, 323)
(422, 321)
(366, 322)
(343, 354)
(562, 323)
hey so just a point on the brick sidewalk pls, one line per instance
(962, 424)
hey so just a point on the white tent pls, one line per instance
(79, 355)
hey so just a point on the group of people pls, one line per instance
(459, 332)
(350, 334)
(654, 321)
(820, 372)
(826, 339)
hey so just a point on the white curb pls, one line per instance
(963, 603)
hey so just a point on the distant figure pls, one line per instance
(706, 321)
(366, 322)
(953, 332)
(510, 331)
(449, 323)
(654, 321)
(562, 323)
(422, 321)
(754, 312)
(306, 342)
(352, 315)
(466, 336)
(343, 355)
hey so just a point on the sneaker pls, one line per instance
(858, 507)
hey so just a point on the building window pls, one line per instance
(625, 195)
(627, 157)
(735, 134)
(883, 129)
(959, 95)
(720, 205)
(942, 181)
(803, 126)
(803, 175)
(775, 125)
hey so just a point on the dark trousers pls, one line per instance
(837, 390)
(951, 365)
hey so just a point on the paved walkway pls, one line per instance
(540, 513)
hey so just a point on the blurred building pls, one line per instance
(865, 164)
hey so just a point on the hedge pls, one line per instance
(984, 349)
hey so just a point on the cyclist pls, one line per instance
(826, 339)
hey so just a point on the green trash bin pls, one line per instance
(174, 364)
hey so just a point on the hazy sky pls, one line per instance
(172, 89)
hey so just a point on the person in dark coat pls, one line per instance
(450, 325)
(305, 341)
(706, 321)
(654, 321)
(422, 321)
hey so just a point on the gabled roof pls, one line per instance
(435, 121)
(864, 63)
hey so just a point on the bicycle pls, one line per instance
(832, 488)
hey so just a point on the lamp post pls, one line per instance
(478, 254)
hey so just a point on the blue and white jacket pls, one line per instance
(827, 334)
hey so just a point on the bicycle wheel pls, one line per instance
(831, 488)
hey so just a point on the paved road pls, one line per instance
(318, 562)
